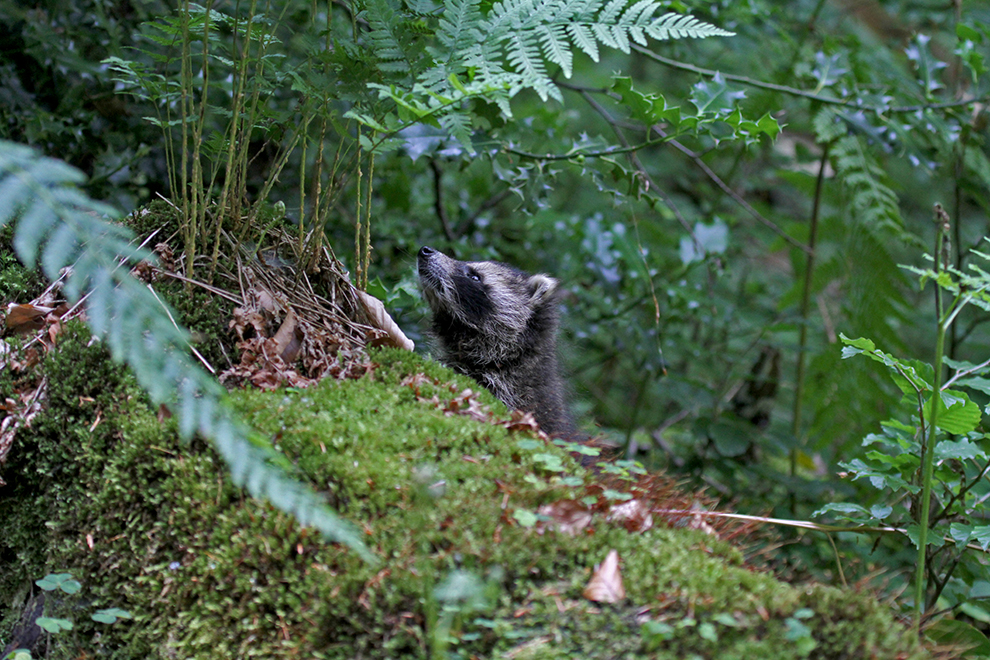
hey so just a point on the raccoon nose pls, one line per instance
(426, 251)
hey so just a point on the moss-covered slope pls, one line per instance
(102, 488)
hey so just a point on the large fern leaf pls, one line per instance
(873, 200)
(517, 36)
(496, 55)
(389, 41)
(59, 226)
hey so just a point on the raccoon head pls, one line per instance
(491, 299)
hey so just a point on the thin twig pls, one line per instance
(212, 289)
(438, 200)
(717, 180)
(586, 154)
(634, 159)
(191, 347)
(965, 372)
(793, 91)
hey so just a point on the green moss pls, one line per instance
(18, 284)
(154, 526)
(158, 216)
(51, 464)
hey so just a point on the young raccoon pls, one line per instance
(498, 325)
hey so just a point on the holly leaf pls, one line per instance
(715, 96)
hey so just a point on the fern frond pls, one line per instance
(387, 39)
(828, 125)
(873, 200)
(506, 51)
(584, 39)
(553, 38)
(610, 14)
(458, 26)
(458, 125)
(55, 220)
(680, 26)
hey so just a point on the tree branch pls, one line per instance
(793, 91)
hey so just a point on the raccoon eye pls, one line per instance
(473, 274)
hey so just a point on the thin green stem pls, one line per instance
(590, 154)
(809, 270)
(928, 448)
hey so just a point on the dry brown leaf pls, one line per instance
(54, 329)
(565, 516)
(379, 318)
(145, 272)
(288, 340)
(166, 259)
(523, 421)
(264, 299)
(467, 403)
(25, 318)
(634, 515)
(605, 585)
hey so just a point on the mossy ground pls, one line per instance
(100, 487)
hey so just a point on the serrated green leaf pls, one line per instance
(964, 31)
(957, 450)
(956, 414)
(715, 95)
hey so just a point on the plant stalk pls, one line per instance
(805, 307)
(928, 449)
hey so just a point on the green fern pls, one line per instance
(528, 33)
(496, 55)
(388, 40)
(873, 200)
(59, 226)
(828, 125)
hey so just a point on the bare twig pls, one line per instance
(793, 91)
(192, 348)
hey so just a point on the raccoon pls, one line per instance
(498, 325)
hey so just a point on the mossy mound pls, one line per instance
(102, 488)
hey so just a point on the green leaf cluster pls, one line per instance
(958, 448)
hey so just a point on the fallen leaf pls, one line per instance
(605, 585)
(523, 421)
(379, 318)
(288, 339)
(634, 514)
(565, 516)
(54, 329)
(25, 318)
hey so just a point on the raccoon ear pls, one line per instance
(541, 288)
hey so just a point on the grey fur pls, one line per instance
(498, 325)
